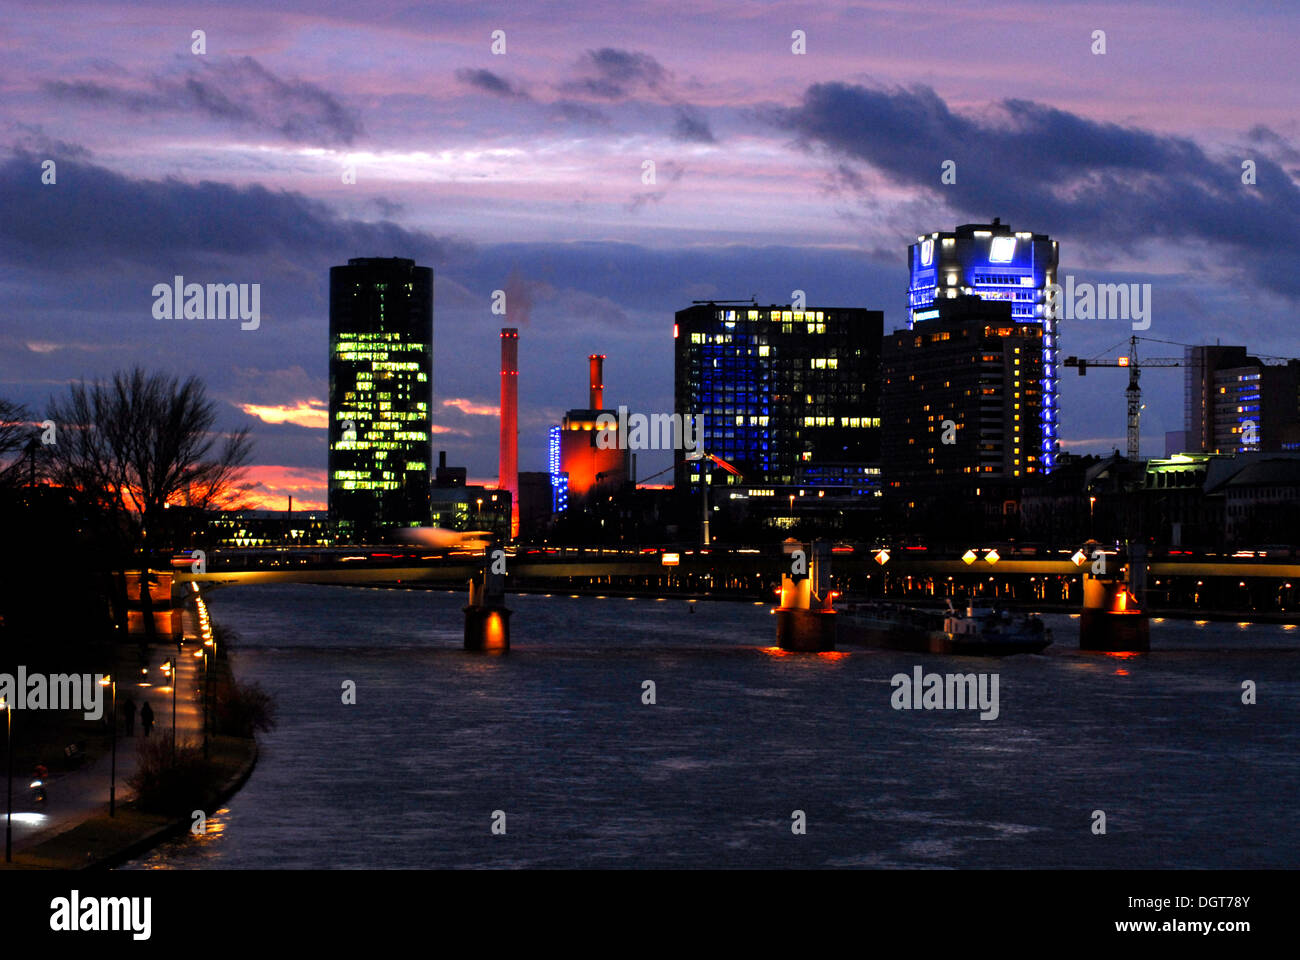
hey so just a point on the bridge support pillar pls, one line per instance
(805, 621)
(1110, 620)
(487, 628)
(487, 621)
(807, 631)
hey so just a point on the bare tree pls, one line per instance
(139, 444)
(18, 445)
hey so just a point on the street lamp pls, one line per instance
(112, 776)
(9, 755)
(204, 654)
(169, 668)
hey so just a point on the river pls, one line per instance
(554, 743)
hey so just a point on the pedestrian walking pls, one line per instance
(129, 707)
(146, 718)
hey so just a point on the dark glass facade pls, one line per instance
(1236, 403)
(789, 397)
(978, 367)
(381, 394)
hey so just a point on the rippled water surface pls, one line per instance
(556, 736)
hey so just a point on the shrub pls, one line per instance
(227, 639)
(242, 709)
(164, 786)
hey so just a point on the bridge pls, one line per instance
(1244, 581)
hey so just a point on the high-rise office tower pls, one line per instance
(1236, 403)
(508, 465)
(993, 262)
(790, 397)
(970, 376)
(381, 394)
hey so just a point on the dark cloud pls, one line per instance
(492, 83)
(612, 74)
(690, 126)
(1048, 170)
(388, 208)
(32, 138)
(639, 200)
(1262, 136)
(239, 91)
(261, 386)
(579, 113)
(95, 217)
(666, 173)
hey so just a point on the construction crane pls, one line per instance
(700, 456)
(1134, 391)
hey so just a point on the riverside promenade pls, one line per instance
(73, 829)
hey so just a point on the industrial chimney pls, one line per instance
(597, 389)
(508, 473)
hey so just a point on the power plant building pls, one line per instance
(582, 461)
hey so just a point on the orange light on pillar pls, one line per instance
(495, 632)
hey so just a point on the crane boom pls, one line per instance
(1133, 393)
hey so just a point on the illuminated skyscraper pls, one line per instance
(1237, 403)
(960, 399)
(788, 396)
(559, 480)
(381, 394)
(992, 262)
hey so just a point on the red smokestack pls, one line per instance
(508, 474)
(597, 394)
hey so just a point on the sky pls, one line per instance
(524, 170)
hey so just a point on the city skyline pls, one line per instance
(641, 440)
(524, 172)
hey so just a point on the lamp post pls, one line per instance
(209, 652)
(9, 757)
(112, 776)
(169, 668)
(203, 652)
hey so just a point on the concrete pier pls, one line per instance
(487, 620)
(805, 620)
(1111, 621)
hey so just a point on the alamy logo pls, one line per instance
(57, 691)
(76, 913)
(953, 691)
(179, 300)
(656, 431)
(1100, 301)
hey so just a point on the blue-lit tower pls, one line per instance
(788, 394)
(559, 480)
(993, 262)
